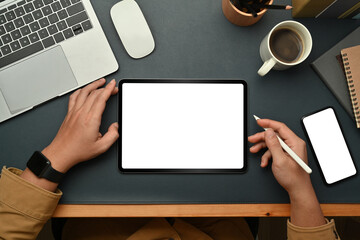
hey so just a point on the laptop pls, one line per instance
(47, 49)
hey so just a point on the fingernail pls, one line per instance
(116, 125)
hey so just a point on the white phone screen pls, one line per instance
(329, 145)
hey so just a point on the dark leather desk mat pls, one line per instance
(194, 40)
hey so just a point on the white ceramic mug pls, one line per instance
(270, 61)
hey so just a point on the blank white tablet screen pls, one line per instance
(182, 126)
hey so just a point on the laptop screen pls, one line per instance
(182, 125)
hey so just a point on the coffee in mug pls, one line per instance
(287, 44)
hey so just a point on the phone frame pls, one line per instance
(313, 151)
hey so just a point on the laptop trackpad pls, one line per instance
(36, 80)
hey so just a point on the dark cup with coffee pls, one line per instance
(288, 43)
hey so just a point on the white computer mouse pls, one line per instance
(132, 28)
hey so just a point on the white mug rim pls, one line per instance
(303, 57)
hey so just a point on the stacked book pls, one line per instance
(326, 8)
(339, 69)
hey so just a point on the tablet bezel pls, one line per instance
(181, 170)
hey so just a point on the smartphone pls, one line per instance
(329, 145)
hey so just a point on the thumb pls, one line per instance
(109, 138)
(273, 144)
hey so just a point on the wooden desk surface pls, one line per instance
(195, 210)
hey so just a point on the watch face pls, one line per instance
(37, 164)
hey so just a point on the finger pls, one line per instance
(115, 91)
(98, 107)
(265, 158)
(260, 136)
(99, 135)
(72, 100)
(281, 128)
(84, 92)
(91, 99)
(274, 146)
(257, 147)
(109, 138)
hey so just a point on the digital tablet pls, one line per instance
(182, 126)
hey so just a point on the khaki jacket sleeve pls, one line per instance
(24, 207)
(324, 232)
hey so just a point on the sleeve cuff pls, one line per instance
(326, 231)
(25, 197)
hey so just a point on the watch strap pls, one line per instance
(52, 175)
(41, 167)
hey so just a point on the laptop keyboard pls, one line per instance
(30, 26)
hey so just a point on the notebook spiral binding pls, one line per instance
(350, 80)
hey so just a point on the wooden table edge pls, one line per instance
(194, 210)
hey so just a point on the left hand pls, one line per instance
(286, 171)
(78, 138)
(305, 208)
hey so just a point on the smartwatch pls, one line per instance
(41, 167)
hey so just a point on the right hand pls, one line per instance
(286, 171)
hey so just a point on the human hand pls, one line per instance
(286, 171)
(78, 138)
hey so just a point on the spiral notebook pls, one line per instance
(330, 72)
(351, 59)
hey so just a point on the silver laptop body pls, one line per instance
(70, 53)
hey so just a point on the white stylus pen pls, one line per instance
(287, 149)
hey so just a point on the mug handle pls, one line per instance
(266, 67)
